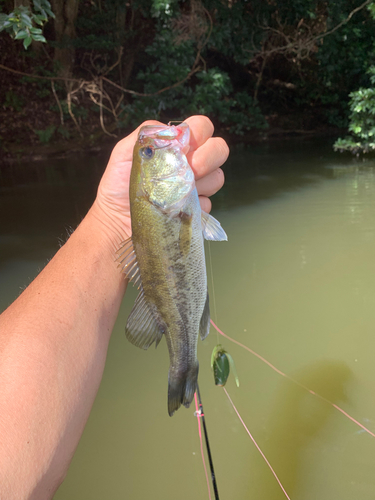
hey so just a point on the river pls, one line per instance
(295, 283)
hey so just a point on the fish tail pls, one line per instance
(181, 388)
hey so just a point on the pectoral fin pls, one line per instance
(128, 262)
(212, 229)
(142, 329)
(204, 325)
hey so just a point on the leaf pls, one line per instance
(39, 19)
(21, 34)
(27, 42)
(39, 38)
(50, 13)
(26, 20)
(4, 23)
(36, 31)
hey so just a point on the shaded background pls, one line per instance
(257, 69)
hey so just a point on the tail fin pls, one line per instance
(181, 388)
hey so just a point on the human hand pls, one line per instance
(206, 155)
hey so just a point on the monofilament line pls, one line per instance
(257, 446)
(293, 380)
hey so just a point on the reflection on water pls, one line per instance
(295, 422)
(295, 282)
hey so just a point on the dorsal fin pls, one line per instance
(128, 262)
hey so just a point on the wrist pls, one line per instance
(113, 226)
(91, 253)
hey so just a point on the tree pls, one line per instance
(245, 64)
(64, 21)
(362, 113)
(22, 22)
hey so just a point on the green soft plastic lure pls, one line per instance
(221, 362)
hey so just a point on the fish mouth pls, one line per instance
(171, 133)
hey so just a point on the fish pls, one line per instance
(165, 256)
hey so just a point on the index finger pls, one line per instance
(201, 129)
(123, 151)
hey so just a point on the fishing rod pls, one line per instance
(201, 415)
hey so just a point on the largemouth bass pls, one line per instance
(165, 255)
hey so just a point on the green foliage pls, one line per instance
(214, 97)
(13, 101)
(362, 112)
(362, 122)
(46, 134)
(64, 132)
(338, 66)
(21, 23)
(233, 61)
(163, 9)
(337, 116)
(78, 111)
(208, 92)
(245, 114)
(371, 9)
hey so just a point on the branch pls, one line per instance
(308, 43)
(69, 102)
(58, 103)
(38, 76)
(85, 82)
(101, 110)
(354, 11)
(120, 52)
(96, 86)
(191, 73)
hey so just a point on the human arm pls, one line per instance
(54, 337)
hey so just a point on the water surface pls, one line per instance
(295, 283)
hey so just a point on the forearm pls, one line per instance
(53, 344)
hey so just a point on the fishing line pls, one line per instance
(256, 445)
(200, 414)
(293, 380)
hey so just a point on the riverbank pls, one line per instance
(17, 145)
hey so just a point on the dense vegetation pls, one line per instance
(249, 65)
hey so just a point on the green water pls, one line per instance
(295, 283)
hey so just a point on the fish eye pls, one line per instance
(147, 152)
